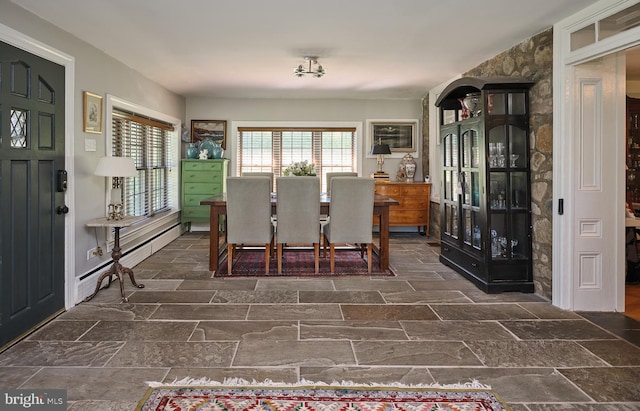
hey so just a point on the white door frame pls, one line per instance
(564, 61)
(26, 43)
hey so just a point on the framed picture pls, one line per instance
(92, 121)
(213, 129)
(400, 135)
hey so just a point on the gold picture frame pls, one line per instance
(92, 119)
(215, 130)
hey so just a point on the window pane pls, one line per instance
(273, 150)
(149, 146)
(583, 37)
(19, 128)
(621, 21)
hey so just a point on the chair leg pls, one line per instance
(332, 250)
(369, 263)
(279, 258)
(316, 249)
(230, 248)
(324, 246)
(267, 254)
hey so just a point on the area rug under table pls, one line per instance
(300, 263)
(320, 398)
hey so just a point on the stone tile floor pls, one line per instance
(426, 325)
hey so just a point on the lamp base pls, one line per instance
(115, 212)
(380, 176)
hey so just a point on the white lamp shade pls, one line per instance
(112, 166)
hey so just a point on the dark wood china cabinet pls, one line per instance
(485, 205)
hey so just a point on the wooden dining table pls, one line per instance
(218, 207)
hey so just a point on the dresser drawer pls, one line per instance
(411, 203)
(193, 200)
(415, 190)
(199, 212)
(388, 190)
(209, 188)
(200, 176)
(203, 165)
(408, 217)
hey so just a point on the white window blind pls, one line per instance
(147, 141)
(274, 149)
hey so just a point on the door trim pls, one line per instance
(564, 62)
(26, 43)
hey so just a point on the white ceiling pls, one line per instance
(249, 48)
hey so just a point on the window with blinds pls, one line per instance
(274, 149)
(147, 141)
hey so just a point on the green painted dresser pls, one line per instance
(201, 179)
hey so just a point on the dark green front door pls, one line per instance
(32, 151)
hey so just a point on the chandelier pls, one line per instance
(313, 61)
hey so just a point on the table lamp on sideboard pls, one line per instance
(380, 150)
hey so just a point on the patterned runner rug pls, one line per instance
(299, 263)
(321, 398)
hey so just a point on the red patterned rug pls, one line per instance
(320, 398)
(300, 263)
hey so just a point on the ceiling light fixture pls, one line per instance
(312, 60)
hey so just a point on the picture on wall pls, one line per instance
(215, 130)
(400, 135)
(92, 120)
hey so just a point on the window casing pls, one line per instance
(273, 149)
(148, 142)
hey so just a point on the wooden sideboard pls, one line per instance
(414, 199)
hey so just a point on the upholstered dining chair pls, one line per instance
(261, 174)
(350, 216)
(248, 216)
(298, 212)
(329, 176)
(274, 219)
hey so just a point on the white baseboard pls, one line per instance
(87, 286)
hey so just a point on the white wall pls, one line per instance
(309, 110)
(100, 74)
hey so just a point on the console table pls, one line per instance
(116, 268)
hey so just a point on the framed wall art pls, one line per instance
(400, 135)
(92, 120)
(215, 130)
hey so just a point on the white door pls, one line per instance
(596, 211)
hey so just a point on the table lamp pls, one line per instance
(380, 150)
(116, 168)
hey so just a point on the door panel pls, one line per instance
(31, 152)
(597, 146)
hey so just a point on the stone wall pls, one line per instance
(533, 59)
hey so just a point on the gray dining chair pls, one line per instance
(248, 216)
(328, 177)
(260, 174)
(274, 219)
(298, 212)
(331, 175)
(350, 216)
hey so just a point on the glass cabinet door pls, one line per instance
(450, 182)
(470, 183)
(508, 199)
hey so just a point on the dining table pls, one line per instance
(218, 207)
